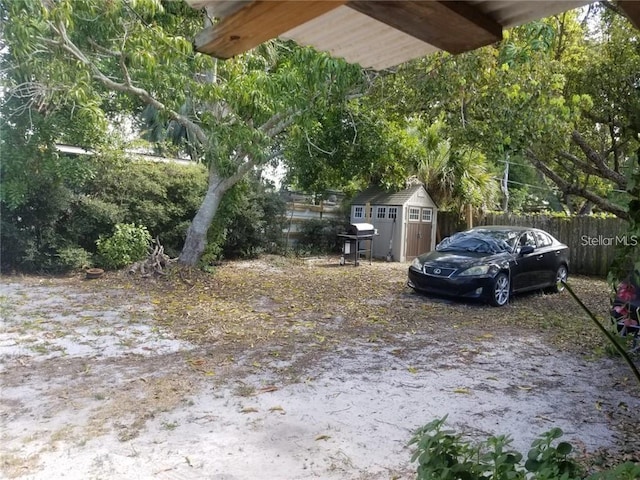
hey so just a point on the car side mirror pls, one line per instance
(526, 250)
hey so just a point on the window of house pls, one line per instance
(358, 212)
(381, 212)
(414, 214)
(427, 215)
(393, 213)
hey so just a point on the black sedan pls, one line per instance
(491, 263)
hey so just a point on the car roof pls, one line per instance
(513, 228)
(516, 229)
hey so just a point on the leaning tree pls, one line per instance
(112, 60)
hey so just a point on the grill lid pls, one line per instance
(361, 229)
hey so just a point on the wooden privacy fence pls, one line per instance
(298, 213)
(591, 240)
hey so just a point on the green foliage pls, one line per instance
(443, 455)
(350, 142)
(38, 190)
(162, 196)
(550, 462)
(354, 144)
(73, 258)
(454, 176)
(256, 223)
(627, 261)
(98, 63)
(624, 471)
(128, 244)
(527, 95)
(320, 235)
(252, 218)
(521, 45)
(57, 213)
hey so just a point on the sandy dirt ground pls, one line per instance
(94, 387)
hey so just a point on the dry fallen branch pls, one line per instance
(155, 264)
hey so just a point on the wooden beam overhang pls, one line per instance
(632, 9)
(453, 26)
(257, 22)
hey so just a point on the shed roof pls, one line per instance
(376, 34)
(377, 196)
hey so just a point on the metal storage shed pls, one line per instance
(405, 221)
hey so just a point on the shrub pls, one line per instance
(256, 224)
(321, 235)
(73, 258)
(443, 455)
(54, 211)
(164, 197)
(129, 243)
(249, 221)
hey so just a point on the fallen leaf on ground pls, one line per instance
(267, 389)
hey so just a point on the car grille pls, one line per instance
(438, 271)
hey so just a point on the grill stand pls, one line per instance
(355, 245)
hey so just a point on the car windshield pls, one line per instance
(479, 241)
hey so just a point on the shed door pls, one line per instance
(418, 231)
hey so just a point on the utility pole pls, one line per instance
(504, 185)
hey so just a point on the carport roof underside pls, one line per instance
(376, 34)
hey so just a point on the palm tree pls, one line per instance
(455, 177)
(434, 168)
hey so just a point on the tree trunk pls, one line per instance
(196, 240)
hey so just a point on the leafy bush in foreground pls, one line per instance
(444, 455)
(129, 243)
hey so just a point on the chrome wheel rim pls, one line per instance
(501, 290)
(561, 276)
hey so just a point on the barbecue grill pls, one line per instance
(357, 241)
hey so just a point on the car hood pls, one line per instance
(462, 259)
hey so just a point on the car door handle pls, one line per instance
(557, 252)
(540, 257)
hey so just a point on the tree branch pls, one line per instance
(278, 123)
(603, 169)
(582, 165)
(569, 189)
(127, 87)
(613, 7)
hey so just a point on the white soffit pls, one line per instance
(510, 13)
(358, 38)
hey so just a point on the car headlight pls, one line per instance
(477, 271)
(417, 264)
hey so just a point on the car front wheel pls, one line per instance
(500, 292)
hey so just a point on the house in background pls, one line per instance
(405, 221)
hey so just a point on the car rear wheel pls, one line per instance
(561, 276)
(500, 292)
